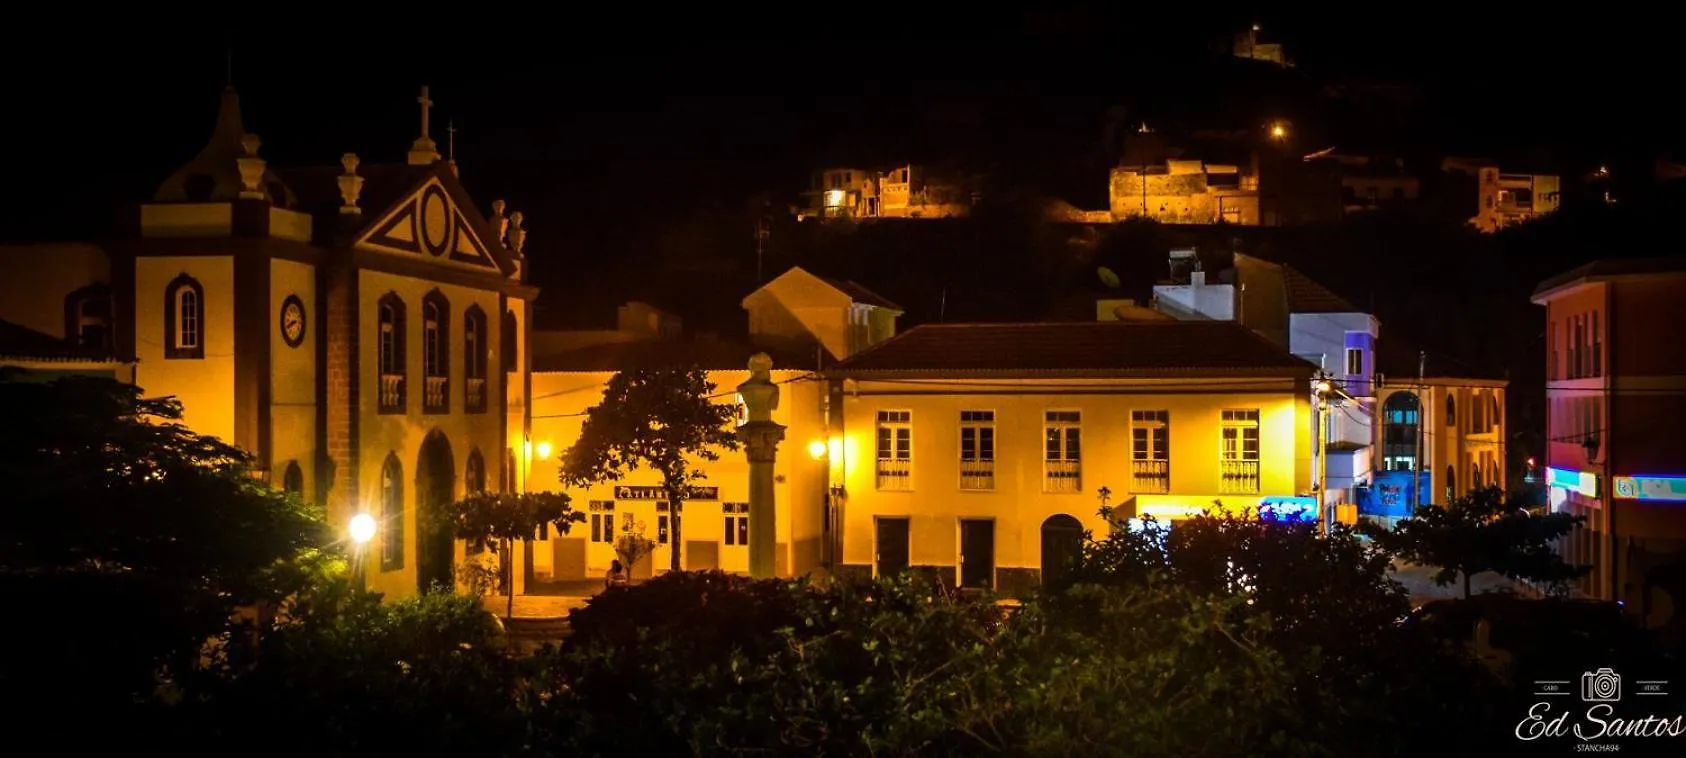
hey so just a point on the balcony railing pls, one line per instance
(1151, 477)
(474, 395)
(895, 474)
(977, 475)
(1238, 477)
(392, 393)
(435, 395)
(1062, 476)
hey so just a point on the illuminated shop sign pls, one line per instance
(1287, 508)
(1651, 488)
(1574, 481)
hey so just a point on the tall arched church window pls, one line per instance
(436, 353)
(474, 354)
(1451, 412)
(1401, 416)
(474, 481)
(510, 342)
(390, 343)
(292, 482)
(474, 478)
(184, 319)
(391, 518)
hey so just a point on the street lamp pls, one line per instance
(1278, 131)
(817, 449)
(362, 530)
(543, 449)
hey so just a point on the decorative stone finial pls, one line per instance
(351, 185)
(517, 236)
(500, 224)
(251, 168)
(761, 366)
(423, 152)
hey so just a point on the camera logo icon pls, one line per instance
(1601, 686)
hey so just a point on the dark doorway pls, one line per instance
(1062, 542)
(977, 554)
(892, 546)
(436, 480)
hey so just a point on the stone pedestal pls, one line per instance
(761, 436)
(761, 441)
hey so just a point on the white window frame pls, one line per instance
(1236, 476)
(977, 472)
(1064, 473)
(1156, 427)
(894, 465)
(189, 316)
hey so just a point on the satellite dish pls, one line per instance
(1107, 277)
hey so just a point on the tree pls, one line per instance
(132, 540)
(1326, 605)
(500, 518)
(658, 418)
(350, 675)
(1486, 530)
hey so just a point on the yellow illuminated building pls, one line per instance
(979, 452)
(803, 321)
(975, 453)
(360, 329)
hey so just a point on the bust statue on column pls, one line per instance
(761, 437)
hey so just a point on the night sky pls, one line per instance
(605, 131)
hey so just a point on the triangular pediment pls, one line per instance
(430, 223)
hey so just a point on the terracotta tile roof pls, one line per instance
(1605, 269)
(713, 355)
(1122, 348)
(1305, 295)
(18, 341)
(860, 294)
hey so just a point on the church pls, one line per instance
(360, 329)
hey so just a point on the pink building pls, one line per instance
(1616, 397)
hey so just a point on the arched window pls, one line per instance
(391, 517)
(87, 317)
(474, 481)
(474, 478)
(1451, 412)
(1400, 418)
(391, 345)
(436, 353)
(292, 482)
(184, 319)
(1451, 483)
(474, 359)
(511, 361)
(1475, 476)
(1494, 416)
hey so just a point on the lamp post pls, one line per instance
(761, 437)
(1321, 389)
(362, 530)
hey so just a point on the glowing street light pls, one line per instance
(543, 449)
(1279, 131)
(362, 530)
(817, 449)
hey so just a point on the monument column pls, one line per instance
(761, 437)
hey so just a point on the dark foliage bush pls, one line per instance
(352, 676)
